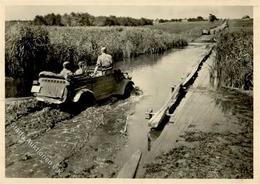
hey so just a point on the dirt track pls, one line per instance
(76, 146)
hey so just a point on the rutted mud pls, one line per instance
(82, 145)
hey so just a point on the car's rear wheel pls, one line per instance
(86, 100)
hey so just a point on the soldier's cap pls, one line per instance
(66, 63)
(103, 49)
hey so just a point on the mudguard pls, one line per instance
(121, 90)
(80, 93)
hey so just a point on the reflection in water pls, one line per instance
(141, 61)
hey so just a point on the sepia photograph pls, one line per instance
(97, 91)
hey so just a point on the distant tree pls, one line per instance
(74, 19)
(175, 20)
(163, 20)
(112, 21)
(200, 18)
(39, 20)
(144, 21)
(212, 18)
(246, 17)
(85, 19)
(50, 19)
(57, 20)
(66, 20)
(100, 21)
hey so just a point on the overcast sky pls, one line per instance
(166, 12)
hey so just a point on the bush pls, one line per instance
(234, 60)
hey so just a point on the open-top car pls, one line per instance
(81, 89)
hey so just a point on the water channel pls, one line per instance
(155, 75)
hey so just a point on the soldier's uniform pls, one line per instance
(104, 61)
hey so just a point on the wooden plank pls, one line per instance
(130, 167)
(196, 68)
(159, 115)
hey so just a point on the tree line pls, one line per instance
(199, 18)
(85, 19)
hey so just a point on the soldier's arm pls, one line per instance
(97, 65)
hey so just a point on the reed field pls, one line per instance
(30, 49)
(84, 43)
(234, 55)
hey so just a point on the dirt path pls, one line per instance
(47, 142)
(209, 136)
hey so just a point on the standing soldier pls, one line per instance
(104, 61)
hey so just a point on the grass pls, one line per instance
(31, 49)
(84, 43)
(234, 55)
(237, 25)
(187, 30)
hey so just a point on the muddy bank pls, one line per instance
(48, 142)
(209, 136)
(206, 155)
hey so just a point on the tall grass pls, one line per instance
(83, 43)
(30, 49)
(234, 60)
(26, 51)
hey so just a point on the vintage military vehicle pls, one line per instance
(81, 89)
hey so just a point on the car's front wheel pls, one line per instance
(128, 89)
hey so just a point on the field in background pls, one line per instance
(187, 30)
(241, 25)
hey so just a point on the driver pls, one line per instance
(104, 61)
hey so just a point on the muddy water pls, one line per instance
(155, 76)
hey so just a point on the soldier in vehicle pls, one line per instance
(104, 62)
(80, 70)
(65, 72)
